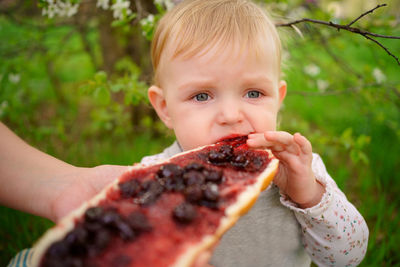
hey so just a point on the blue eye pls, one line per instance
(253, 94)
(202, 97)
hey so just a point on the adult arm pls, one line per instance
(37, 183)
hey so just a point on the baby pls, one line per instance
(217, 74)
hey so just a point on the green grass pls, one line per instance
(18, 230)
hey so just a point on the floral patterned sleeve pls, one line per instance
(334, 232)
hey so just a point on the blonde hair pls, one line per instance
(194, 26)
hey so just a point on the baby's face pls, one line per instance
(217, 95)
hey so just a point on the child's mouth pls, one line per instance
(232, 137)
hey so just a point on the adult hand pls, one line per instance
(80, 185)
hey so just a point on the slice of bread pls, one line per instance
(188, 252)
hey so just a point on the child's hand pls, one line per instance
(295, 176)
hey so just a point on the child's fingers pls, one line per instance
(258, 140)
(284, 139)
(303, 143)
(276, 141)
(292, 164)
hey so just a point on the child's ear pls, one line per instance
(282, 91)
(157, 100)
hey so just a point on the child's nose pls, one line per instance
(229, 112)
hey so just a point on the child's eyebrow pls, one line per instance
(196, 83)
(247, 81)
(251, 80)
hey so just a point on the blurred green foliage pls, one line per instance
(76, 88)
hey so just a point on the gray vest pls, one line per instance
(268, 235)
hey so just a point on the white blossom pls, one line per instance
(104, 4)
(312, 70)
(379, 76)
(322, 85)
(60, 8)
(336, 9)
(14, 78)
(50, 10)
(169, 4)
(66, 9)
(147, 20)
(119, 7)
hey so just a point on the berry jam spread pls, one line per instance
(156, 212)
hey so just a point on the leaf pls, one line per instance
(363, 157)
(354, 155)
(362, 141)
(100, 77)
(128, 99)
(115, 88)
(347, 138)
(102, 95)
(84, 89)
(118, 23)
(125, 21)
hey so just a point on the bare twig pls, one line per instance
(384, 48)
(368, 35)
(337, 26)
(365, 13)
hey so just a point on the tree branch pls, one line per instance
(384, 48)
(365, 13)
(337, 26)
(368, 35)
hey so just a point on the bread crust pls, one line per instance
(244, 202)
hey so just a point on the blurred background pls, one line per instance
(74, 75)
